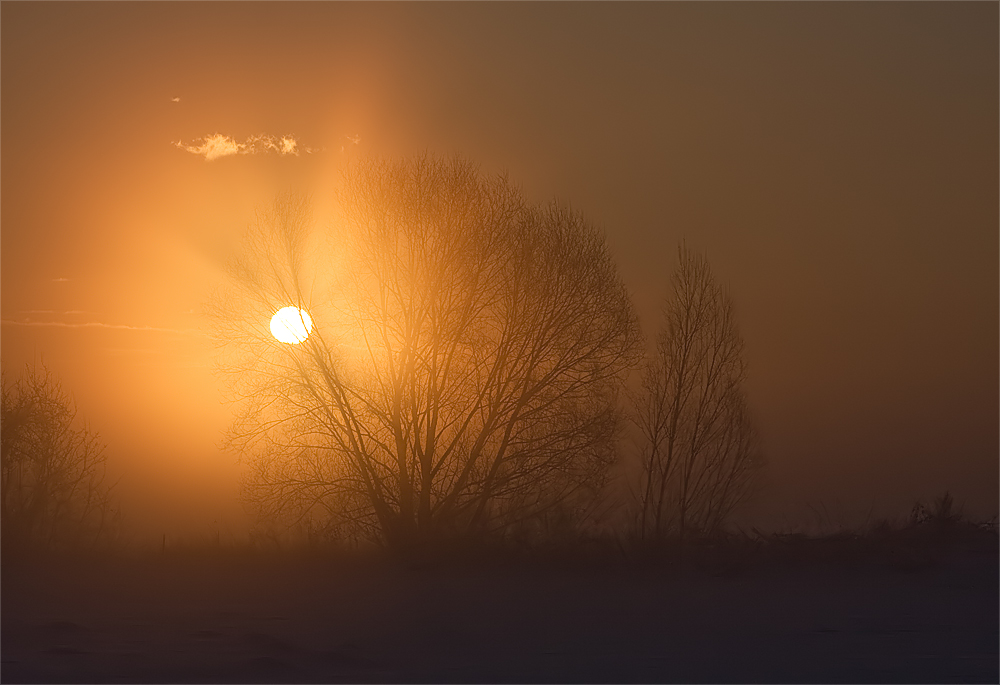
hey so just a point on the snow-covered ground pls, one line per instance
(246, 618)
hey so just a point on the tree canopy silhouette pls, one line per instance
(463, 372)
(53, 493)
(699, 447)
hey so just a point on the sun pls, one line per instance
(291, 325)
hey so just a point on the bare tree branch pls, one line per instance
(463, 372)
(53, 492)
(700, 451)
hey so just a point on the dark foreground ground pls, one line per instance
(227, 617)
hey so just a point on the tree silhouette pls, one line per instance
(463, 372)
(53, 493)
(699, 446)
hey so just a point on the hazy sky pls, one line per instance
(838, 162)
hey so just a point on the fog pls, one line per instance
(837, 164)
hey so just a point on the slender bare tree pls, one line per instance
(53, 492)
(463, 369)
(700, 450)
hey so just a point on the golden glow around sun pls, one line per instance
(291, 325)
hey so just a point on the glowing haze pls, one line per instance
(837, 162)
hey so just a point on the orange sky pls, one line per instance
(838, 163)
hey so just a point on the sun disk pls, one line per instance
(291, 325)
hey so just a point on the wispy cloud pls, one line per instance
(175, 99)
(60, 280)
(217, 145)
(355, 140)
(96, 324)
(53, 311)
(131, 351)
(213, 147)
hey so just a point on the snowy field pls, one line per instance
(228, 617)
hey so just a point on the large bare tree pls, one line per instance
(53, 492)
(463, 369)
(699, 448)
